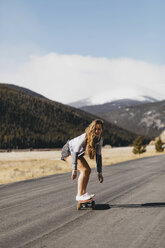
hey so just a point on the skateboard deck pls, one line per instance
(88, 204)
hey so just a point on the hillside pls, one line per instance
(111, 106)
(29, 121)
(145, 119)
(24, 90)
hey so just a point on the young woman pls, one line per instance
(90, 144)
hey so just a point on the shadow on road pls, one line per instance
(143, 205)
(102, 206)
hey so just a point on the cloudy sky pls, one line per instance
(71, 50)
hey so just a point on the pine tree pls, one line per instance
(159, 145)
(139, 145)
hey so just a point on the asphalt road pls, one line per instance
(130, 209)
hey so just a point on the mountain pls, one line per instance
(143, 115)
(144, 119)
(162, 136)
(29, 120)
(24, 90)
(114, 105)
(101, 101)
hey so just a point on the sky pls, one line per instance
(72, 50)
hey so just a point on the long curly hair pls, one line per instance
(91, 138)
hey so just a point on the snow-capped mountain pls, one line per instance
(114, 95)
(144, 119)
(141, 114)
(89, 103)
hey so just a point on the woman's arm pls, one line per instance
(99, 160)
(100, 177)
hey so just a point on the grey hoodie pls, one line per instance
(77, 148)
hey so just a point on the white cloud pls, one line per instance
(67, 78)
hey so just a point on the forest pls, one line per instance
(28, 121)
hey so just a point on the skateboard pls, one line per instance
(88, 204)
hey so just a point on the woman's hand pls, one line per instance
(100, 177)
(74, 174)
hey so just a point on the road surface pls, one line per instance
(130, 209)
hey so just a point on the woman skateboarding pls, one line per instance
(90, 144)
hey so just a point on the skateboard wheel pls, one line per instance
(93, 205)
(78, 206)
(89, 204)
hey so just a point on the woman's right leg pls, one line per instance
(85, 171)
(83, 179)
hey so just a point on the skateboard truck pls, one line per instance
(87, 204)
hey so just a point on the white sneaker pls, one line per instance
(90, 195)
(84, 197)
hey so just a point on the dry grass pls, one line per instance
(22, 165)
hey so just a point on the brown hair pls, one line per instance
(91, 138)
